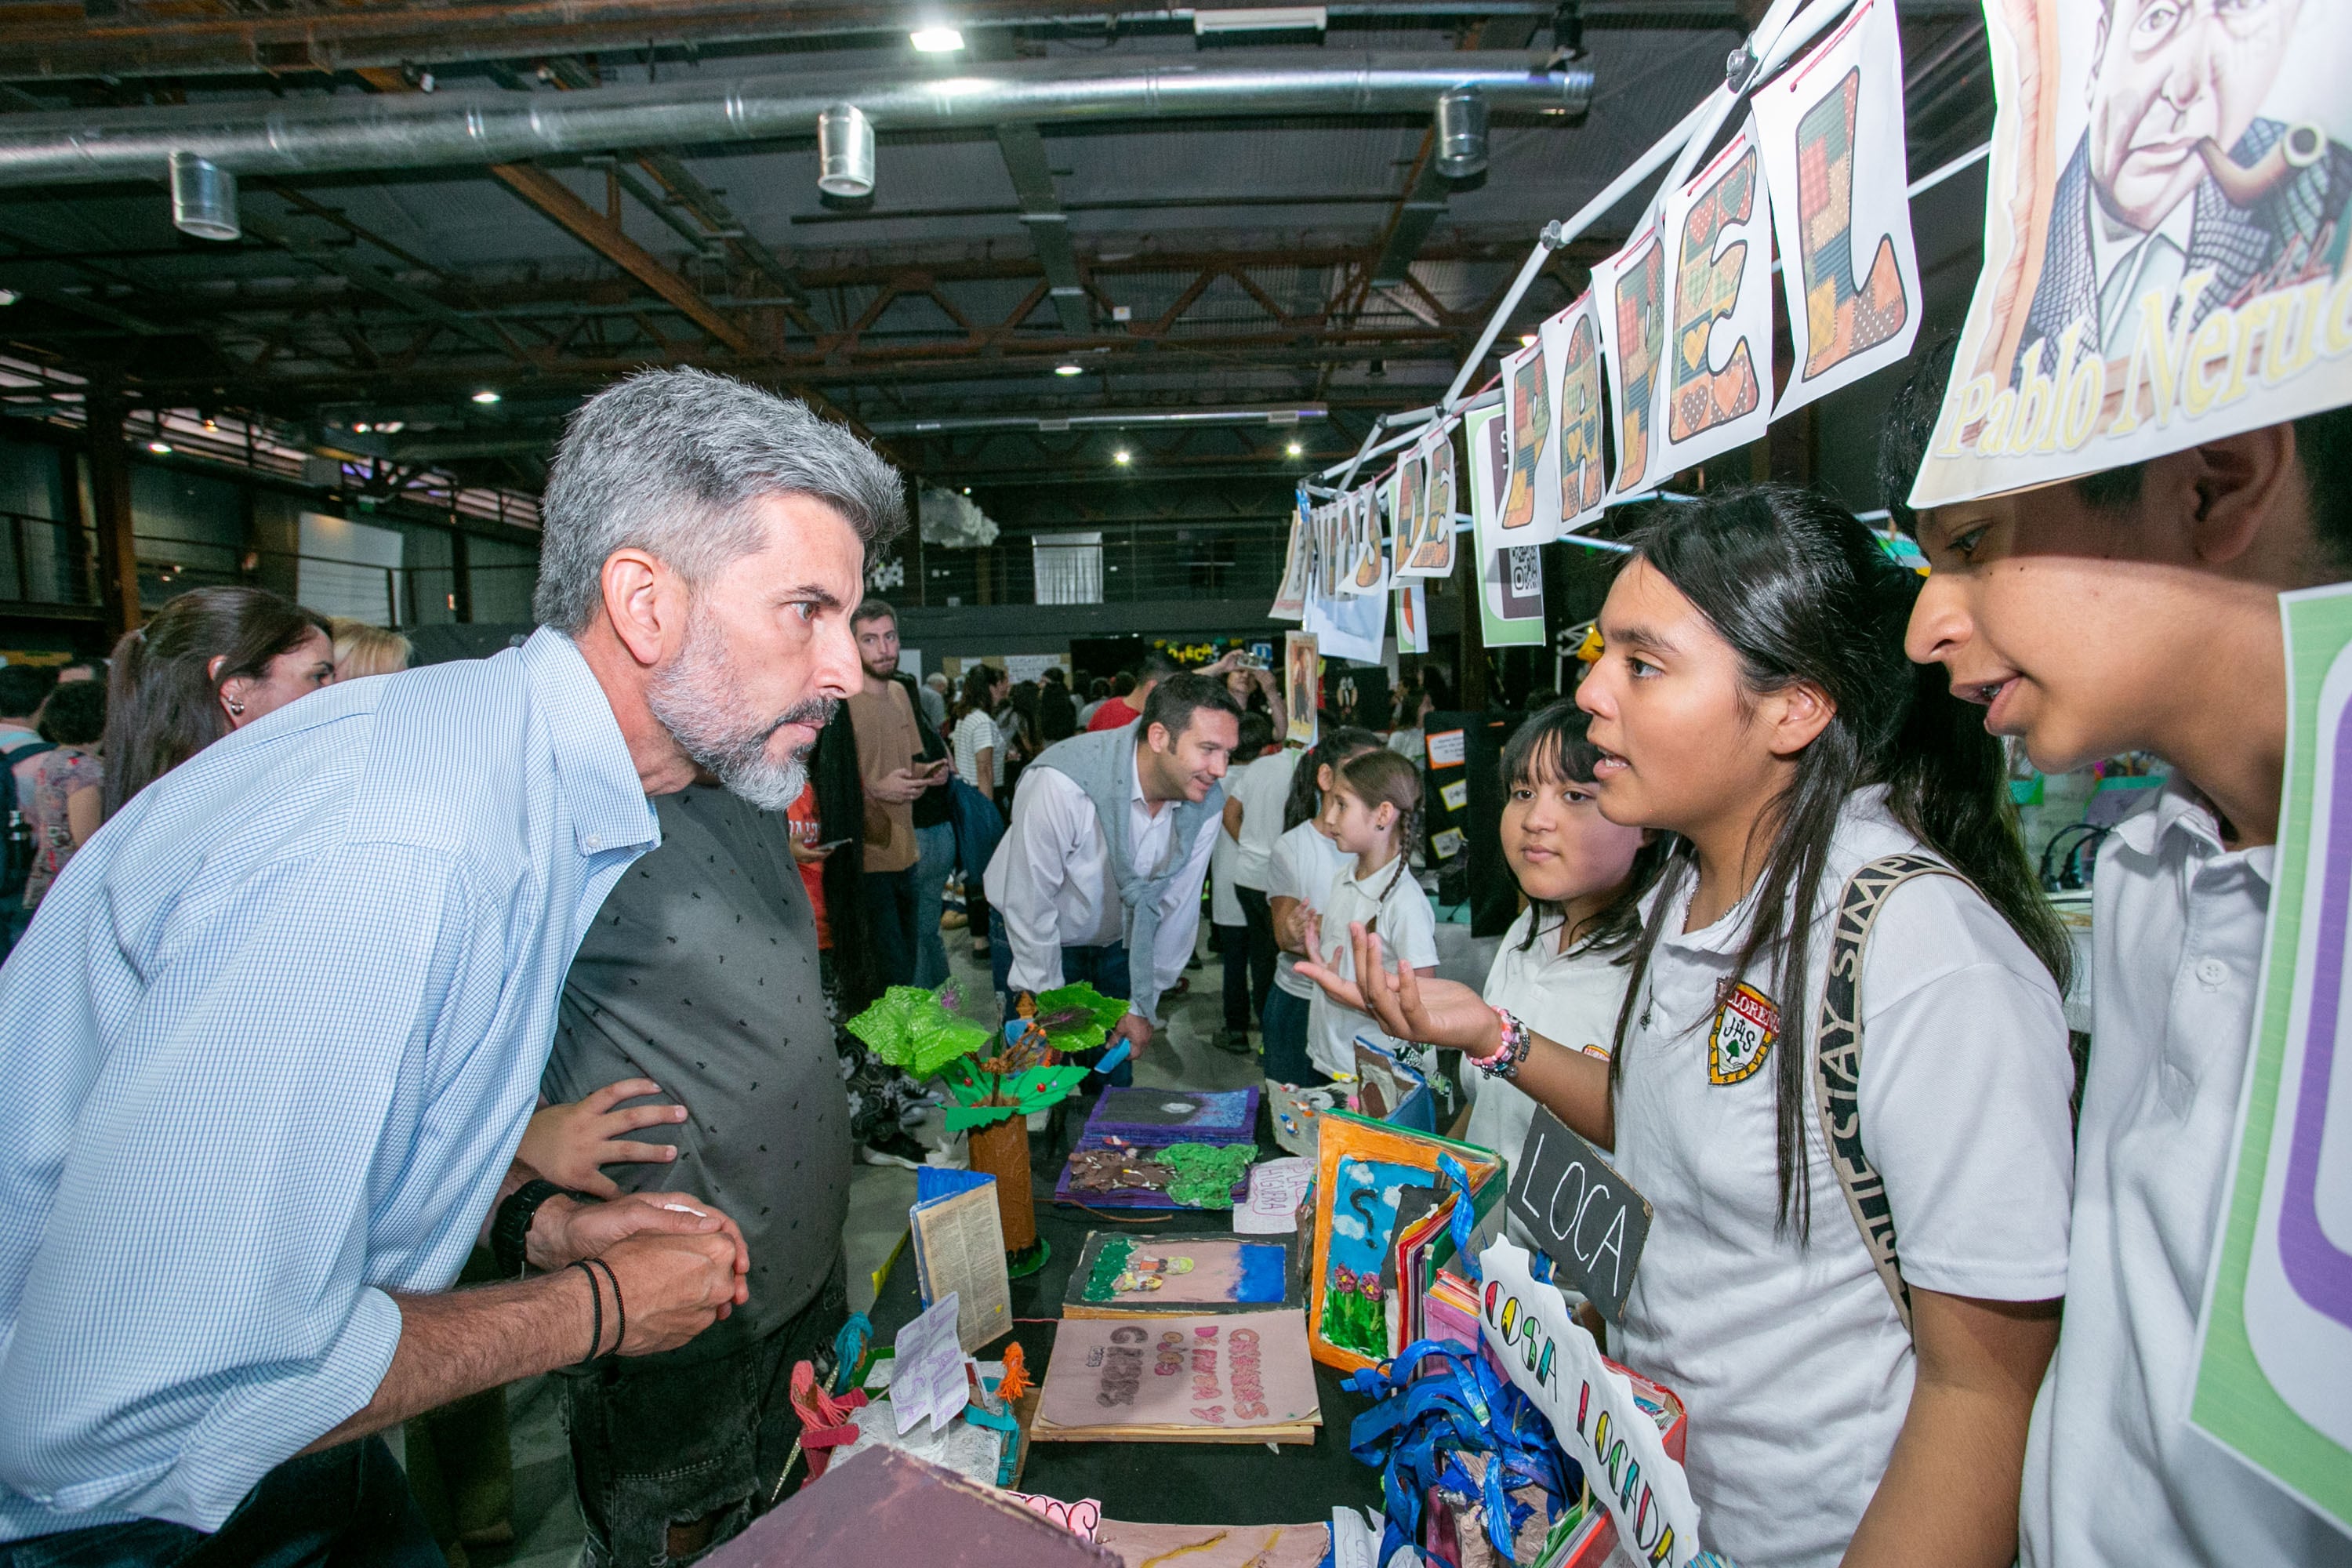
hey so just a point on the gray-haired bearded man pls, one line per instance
(274, 1038)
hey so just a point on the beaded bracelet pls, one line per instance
(1505, 1064)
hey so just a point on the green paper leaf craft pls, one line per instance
(1077, 1018)
(1205, 1172)
(963, 1117)
(911, 1029)
(1039, 1087)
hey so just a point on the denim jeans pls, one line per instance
(661, 1440)
(890, 922)
(936, 858)
(1104, 968)
(1261, 950)
(346, 1507)
(1286, 1041)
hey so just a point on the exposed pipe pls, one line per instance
(1051, 424)
(410, 130)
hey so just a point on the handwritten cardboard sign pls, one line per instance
(1581, 1211)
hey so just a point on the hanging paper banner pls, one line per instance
(1571, 344)
(1412, 616)
(1595, 1416)
(1510, 578)
(1366, 565)
(1324, 575)
(1350, 629)
(1718, 365)
(1530, 513)
(1297, 564)
(1429, 551)
(2159, 271)
(1407, 499)
(1630, 293)
(1831, 131)
(1302, 682)
(2274, 1381)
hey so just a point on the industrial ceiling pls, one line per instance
(1219, 242)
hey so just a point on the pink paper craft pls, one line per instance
(1215, 1371)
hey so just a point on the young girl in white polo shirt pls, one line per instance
(1754, 700)
(1299, 875)
(1564, 962)
(1373, 812)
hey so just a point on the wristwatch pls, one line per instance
(511, 1229)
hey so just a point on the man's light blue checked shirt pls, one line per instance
(266, 1053)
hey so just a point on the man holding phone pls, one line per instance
(910, 833)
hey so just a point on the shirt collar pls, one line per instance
(2181, 809)
(2112, 242)
(600, 783)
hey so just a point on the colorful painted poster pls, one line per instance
(1719, 365)
(1510, 578)
(1571, 344)
(2165, 235)
(1630, 288)
(1831, 131)
(1297, 565)
(1530, 508)
(1425, 532)
(1302, 675)
(2274, 1355)
(1371, 568)
(1405, 498)
(1593, 1411)
(1411, 616)
(1205, 1271)
(1246, 1370)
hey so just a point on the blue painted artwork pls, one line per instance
(1363, 1226)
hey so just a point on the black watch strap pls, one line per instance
(512, 1226)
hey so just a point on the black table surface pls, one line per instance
(1161, 1483)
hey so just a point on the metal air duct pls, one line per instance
(1054, 424)
(204, 198)
(844, 152)
(1461, 134)
(450, 128)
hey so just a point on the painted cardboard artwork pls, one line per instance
(1364, 1206)
(1207, 1272)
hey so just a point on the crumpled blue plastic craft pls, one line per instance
(1425, 1420)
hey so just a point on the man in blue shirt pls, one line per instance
(271, 1041)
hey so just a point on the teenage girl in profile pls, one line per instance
(1372, 814)
(1754, 702)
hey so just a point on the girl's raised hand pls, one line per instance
(1431, 1012)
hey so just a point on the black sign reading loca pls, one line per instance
(1581, 1211)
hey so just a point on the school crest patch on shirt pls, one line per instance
(1744, 1027)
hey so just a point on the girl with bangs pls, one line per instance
(1848, 1403)
(1564, 962)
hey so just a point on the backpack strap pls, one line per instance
(1837, 1061)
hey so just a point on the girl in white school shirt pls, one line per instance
(1755, 701)
(1564, 962)
(1372, 812)
(1299, 875)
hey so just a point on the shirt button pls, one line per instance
(2211, 973)
(593, 842)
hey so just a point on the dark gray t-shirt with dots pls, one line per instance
(701, 973)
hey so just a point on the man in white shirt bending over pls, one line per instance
(1099, 877)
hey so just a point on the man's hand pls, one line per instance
(900, 786)
(1135, 1029)
(672, 1287)
(563, 1231)
(567, 1143)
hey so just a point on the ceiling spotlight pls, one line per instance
(936, 40)
(211, 423)
(485, 397)
(1068, 370)
(161, 449)
(1526, 340)
(1295, 449)
(390, 427)
(1122, 456)
(8, 297)
(360, 429)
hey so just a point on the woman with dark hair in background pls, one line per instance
(1754, 700)
(62, 807)
(210, 661)
(1017, 722)
(979, 752)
